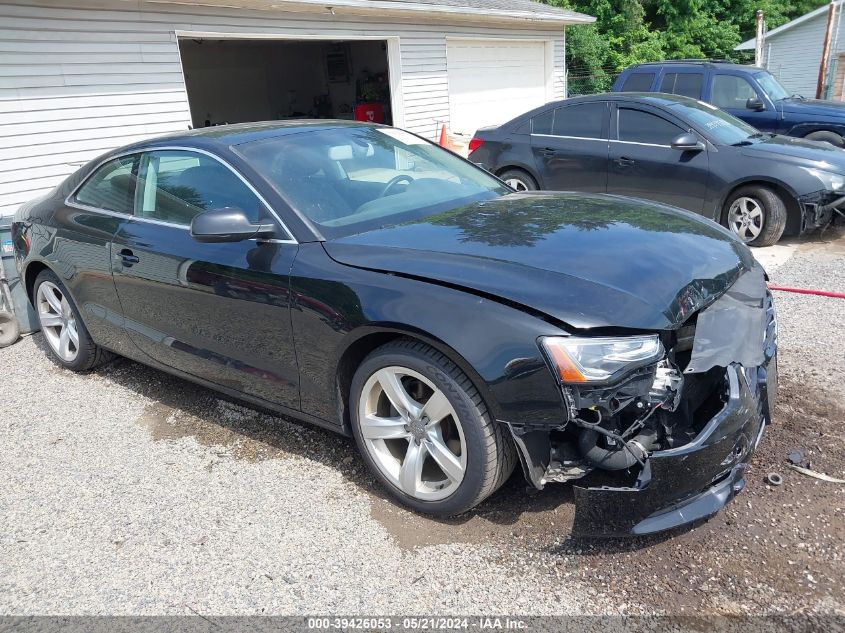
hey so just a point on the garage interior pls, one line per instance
(236, 81)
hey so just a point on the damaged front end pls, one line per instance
(666, 440)
(820, 209)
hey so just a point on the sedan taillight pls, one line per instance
(475, 143)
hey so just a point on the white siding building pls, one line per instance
(793, 52)
(82, 77)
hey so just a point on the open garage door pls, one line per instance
(492, 81)
(239, 80)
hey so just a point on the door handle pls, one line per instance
(127, 258)
(625, 162)
(548, 152)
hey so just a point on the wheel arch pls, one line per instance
(786, 193)
(521, 167)
(361, 342)
(30, 274)
(803, 129)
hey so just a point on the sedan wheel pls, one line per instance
(746, 217)
(58, 322)
(412, 433)
(517, 184)
(756, 214)
(424, 431)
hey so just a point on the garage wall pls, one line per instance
(76, 82)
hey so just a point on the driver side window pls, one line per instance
(176, 185)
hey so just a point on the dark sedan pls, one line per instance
(363, 279)
(675, 150)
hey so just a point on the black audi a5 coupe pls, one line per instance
(363, 279)
(674, 150)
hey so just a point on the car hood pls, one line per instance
(586, 261)
(815, 107)
(798, 151)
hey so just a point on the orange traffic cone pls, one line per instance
(444, 139)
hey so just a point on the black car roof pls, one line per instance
(650, 98)
(657, 98)
(654, 98)
(237, 133)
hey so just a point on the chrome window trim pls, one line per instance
(639, 143)
(76, 205)
(575, 138)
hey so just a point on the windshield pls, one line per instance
(352, 179)
(719, 126)
(771, 86)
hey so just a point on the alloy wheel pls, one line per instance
(745, 218)
(58, 322)
(516, 183)
(412, 433)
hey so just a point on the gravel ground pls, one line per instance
(126, 491)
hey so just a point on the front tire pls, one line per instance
(756, 215)
(425, 432)
(70, 343)
(826, 137)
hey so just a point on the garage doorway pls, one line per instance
(240, 80)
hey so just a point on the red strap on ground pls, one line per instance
(805, 291)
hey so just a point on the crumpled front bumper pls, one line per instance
(693, 481)
(817, 209)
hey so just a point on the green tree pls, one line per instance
(633, 31)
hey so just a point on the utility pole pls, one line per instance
(831, 12)
(758, 45)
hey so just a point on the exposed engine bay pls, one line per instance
(615, 428)
(613, 431)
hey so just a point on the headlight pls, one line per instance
(597, 359)
(830, 181)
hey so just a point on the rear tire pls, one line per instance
(756, 215)
(71, 346)
(519, 180)
(394, 439)
(827, 137)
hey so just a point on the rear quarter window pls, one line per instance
(638, 82)
(542, 123)
(111, 187)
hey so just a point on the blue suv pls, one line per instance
(749, 93)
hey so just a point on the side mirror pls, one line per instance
(688, 142)
(754, 103)
(227, 225)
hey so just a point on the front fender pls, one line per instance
(805, 185)
(335, 305)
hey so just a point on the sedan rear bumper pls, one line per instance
(690, 482)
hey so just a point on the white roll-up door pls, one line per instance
(492, 81)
